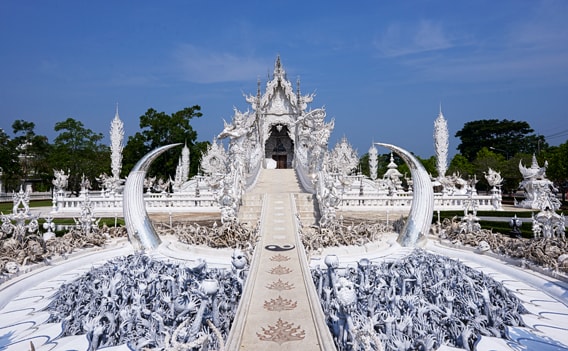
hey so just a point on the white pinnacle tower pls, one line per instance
(373, 162)
(116, 138)
(185, 163)
(441, 142)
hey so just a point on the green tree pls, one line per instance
(33, 152)
(159, 129)
(460, 164)
(428, 163)
(505, 136)
(557, 170)
(78, 150)
(364, 165)
(9, 163)
(383, 161)
(484, 160)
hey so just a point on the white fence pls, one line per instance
(36, 195)
(154, 203)
(403, 201)
(181, 202)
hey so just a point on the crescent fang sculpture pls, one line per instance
(141, 233)
(422, 208)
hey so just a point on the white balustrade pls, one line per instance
(154, 203)
(403, 201)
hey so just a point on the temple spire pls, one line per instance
(298, 96)
(279, 72)
(441, 143)
(116, 147)
(258, 96)
(277, 65)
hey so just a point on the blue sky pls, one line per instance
(380, 68)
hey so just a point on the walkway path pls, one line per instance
(279, 308)
(276, 312)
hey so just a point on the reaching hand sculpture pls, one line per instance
(420, 302)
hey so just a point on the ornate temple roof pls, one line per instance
(279, 96)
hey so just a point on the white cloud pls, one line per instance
(543, 29)
(135, 80)
(507, 66)
(203, 66)
(406, 39)
(529, 49)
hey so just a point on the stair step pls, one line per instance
(277, 181)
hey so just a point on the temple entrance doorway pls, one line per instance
(280, 161)
(280, 147)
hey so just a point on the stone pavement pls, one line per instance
(280, 308)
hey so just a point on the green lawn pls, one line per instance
(6, 208)
(500, 227)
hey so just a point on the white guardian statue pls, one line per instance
(538, 189)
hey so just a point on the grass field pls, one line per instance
(501, 227)
(6, 208)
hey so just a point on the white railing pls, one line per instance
(252, 176)
(154, 203)
(304, 178)
(207, 202)
(403, 202)
(179, 202)
(36, 195)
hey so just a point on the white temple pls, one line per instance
(280, 131)
(279, 286)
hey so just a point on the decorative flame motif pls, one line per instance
(280, 258)
(280, 270)
(282, 332)
(280, 286)
(280, 304)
